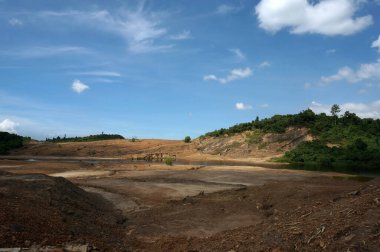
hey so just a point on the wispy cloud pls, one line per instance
(242, 106)
(79, 86)
(238, 53)
(376, 44)
(329, 17)
(15, 22)
(331, 51)
(264, 64)
(181, 36)
(8, 125)
(225, 9)
(47, 51)
(98, 73)
(363, 110)
(235, 74)
(139, 28)
(264, 105)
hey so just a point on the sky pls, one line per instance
(168, 69)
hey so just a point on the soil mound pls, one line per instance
(36, 209)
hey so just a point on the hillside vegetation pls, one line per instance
(89, 138)
(9, 141)
(345, 140)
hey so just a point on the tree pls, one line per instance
(187, 139)
(335, 109)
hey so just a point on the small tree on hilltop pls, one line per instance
(187, 139)
(335, 109)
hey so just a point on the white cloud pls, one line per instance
(225, 9)
(15, 22)
(139, 28)
(8, 125)
(242, 106)
(235, 74)
(376, 44)
(370, 71)
(327, 17)
(181, 36)
(363, 110)
(265, 105)
(99, 73)
(238, 53)
(49, 51)
(264, 64)
(79, 86)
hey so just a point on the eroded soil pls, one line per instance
(155, 207)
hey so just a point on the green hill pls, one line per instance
(345, 140)
(10, 141)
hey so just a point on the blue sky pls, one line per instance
(167, 69)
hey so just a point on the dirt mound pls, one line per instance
(253, 144)
(320, 214)
(105, 148)
(36, 208)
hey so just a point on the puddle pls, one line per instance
(81, 173)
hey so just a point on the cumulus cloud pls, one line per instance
(8, 125)
(15, 22)
(235, 74)
(181, 36)
(79, 86)
(363, 110)
(376, 44)
(370, 71)
(328, 17)
(242, 106)
(238, 53)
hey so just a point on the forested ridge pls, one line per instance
(340, 140)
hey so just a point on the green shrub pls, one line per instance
(168, 161)
(9, 141)
(187, 139)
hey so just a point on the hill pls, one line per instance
(345, 140)
(9, 141)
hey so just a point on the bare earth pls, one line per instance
(155, 207)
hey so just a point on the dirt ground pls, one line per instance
(155, 207)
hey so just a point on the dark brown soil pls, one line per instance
(322, 214)
(38, 209)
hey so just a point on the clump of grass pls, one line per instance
(168, 161)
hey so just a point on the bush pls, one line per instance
(9, 141)
(187, 139)
(168, 161)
